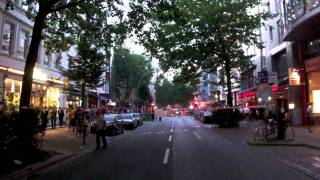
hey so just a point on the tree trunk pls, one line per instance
(31, 60)
(229, 86)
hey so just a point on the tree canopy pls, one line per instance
(86, 68)
(60, 24)
(203, 35)
(175, 92)
(131, 74)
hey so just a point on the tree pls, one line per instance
(176, 92)
(203, 35)
(131, 74)
(86, 68)
(55, 22)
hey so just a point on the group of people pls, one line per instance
(53, 114)
(79, 120)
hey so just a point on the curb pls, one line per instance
(273, 144)
(282, 144)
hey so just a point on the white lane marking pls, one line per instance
(166, 156)
(171, 130)
(197, 135)
(170, 138)
(172, 126)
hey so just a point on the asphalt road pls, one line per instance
(175, 148)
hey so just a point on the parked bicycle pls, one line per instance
(290, 134)
(267, 132)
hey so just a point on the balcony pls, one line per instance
(302, 20)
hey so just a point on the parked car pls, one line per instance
(129, 121)
(139, 118)
(114, 124)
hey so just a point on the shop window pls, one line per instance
(12, 92)
(23, 42)
(316, 102)
(314, 90)
(7, 38)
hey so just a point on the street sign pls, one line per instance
(264, 91)
(263, 77)
(272, 77)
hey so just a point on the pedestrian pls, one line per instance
(309, 117)
(61, 116)
(152, 115)
(78, 120)
(53, 117)
(246, 111)
(44, 117)
(280, 121)
(100, 134)
(69, 116)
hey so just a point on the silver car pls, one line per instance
(129, 121)
(139, 118)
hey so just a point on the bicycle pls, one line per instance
(268, 132)
(259, 132)
(290, 134)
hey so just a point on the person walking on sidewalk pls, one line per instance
(53, 117)
(44, 117)
(100, 125)
(61, 116)
(309, 117)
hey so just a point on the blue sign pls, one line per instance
(263, 77)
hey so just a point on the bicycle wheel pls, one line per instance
(271, 134)
(258, 134)
(290, 135)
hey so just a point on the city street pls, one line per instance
(175, 148)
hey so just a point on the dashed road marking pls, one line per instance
(170, 138)
(197, 135)
(166, 156)
(171, 130)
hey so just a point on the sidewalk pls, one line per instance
(302, 136)
(302, 154)
(64, 143)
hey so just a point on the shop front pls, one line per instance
(248, 98)
(42, 94)
(313, 75)
(45, 91)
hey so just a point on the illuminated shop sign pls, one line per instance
(294, 76)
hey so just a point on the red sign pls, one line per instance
(247, 94)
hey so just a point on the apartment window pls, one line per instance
(46, 60)
(7, 38)
(23, 42)
(271, 33)
(268, 5)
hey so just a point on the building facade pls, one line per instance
(302, 32)
(48, 83)
(286, 70)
